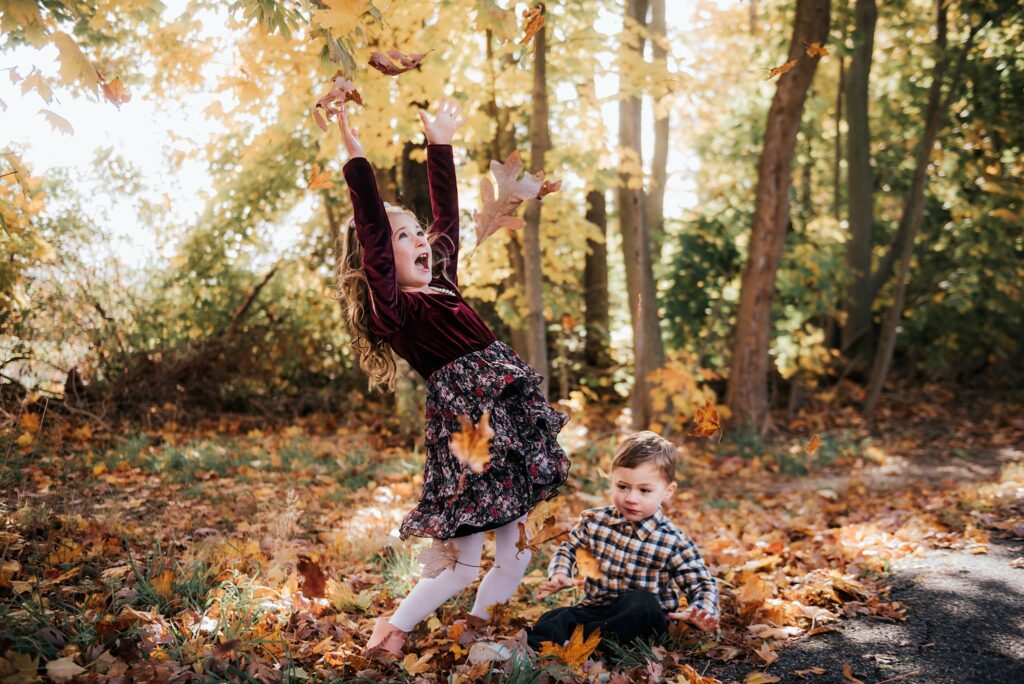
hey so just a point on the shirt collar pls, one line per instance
(644, 528)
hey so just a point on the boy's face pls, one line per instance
(638, 492)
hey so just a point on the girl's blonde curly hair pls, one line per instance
(353, 290)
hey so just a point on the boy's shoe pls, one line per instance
(489, 651)
(386, 638)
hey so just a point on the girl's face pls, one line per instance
(638, 492)
(412, 252)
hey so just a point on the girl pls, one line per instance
(395, 299)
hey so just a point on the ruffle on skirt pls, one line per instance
(527, 464)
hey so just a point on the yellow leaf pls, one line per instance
(815, 49)
(472, 444)
(74, 65)
(576, 652)
(416, 666)
(588, 565)
(318, 180)
(59, 123)
(163, 584)
(341, 16)
(36, 82)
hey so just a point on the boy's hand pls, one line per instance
(349, 136)
(441, 130)
(698, 617)
(557, 582)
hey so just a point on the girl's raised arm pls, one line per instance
(444, 195)
(387, 308)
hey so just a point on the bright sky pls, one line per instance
(138, 132)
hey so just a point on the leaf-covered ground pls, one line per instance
(224, 551)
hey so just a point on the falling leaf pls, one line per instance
(115, 92)
(414, 665)
(35, 81)
(59, 123)
(546, 533)
(405, 62)
(576, 652)
(318, 180)
(341, 91)
(779, 70)
(534, 23)
(512, 191)
(815, 49)
(848, 675)
(472, 444)
(589, 566)
(438, 557)
(813, 444)
(706, 422)
(313, 578)
(548, 187)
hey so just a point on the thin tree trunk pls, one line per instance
(837, 180)
(857, 337)
(748, 392)
(537, 351)
(659, 164)
(595, 282)
(913, 205)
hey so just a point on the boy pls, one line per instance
(644, 558)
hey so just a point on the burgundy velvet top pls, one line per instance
(427, 329)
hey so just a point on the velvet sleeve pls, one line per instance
(387, 306)
(444, 203)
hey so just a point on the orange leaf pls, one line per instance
(472, 445)
(848, 675)
(706, 422)
(588, 566)
(534, 23)
(545, 533)
(114, 92)
(815, 49)
(779, 70)
(576, 652)
(319, 180)
(342, 90)
(813, 445)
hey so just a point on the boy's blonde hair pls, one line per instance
(647, 447)
(374, 353)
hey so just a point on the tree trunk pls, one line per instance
(857, 337)
(595, 283)
(536, 329)
(913, 205)
(748, 393)
(648, 350)
(837, 180)
(659, 165)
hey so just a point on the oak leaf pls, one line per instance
(402, 62)
(534, 17)
(341, 91)
(779, 70)
(512, 191)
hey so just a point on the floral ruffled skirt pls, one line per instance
(527, 465)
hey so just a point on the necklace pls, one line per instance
(442, 290)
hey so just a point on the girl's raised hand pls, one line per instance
(448, 120)
(349, 135)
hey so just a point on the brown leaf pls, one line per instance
(802, 674)
(472, 445)
(542, 535)
(848, 675)
(706, 422)
(318, 180)
(313, 578)
(438, 557)
(576, 652)
(327, 107)
(779, 70)
(813, 444)
(402, 63)
(512, 191)
(588, 566)
(534, 23)
(114, 92)
(548, 187)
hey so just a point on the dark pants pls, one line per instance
(633, 614)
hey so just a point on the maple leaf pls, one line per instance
(341, 16)
(318, 180)
(491, 17)
(766, 654)
(588, 566)
(576, 652)
(115, 92)
(341, 91)
(512, 191)
(534, 17)
(706, 422)
(313, 578)
(813, 444)
(415, 666)
(472, 444)
(59, 123)
(542, 535)
(779, 70)
(815, 49)
(405, 62)
(438, 557)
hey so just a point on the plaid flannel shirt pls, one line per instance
(652, 554)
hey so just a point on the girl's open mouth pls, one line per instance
(423, 262)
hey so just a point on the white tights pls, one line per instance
(498, 584)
